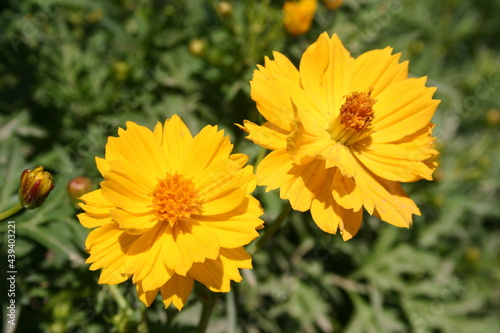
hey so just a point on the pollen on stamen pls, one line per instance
(175, 198)
(357, 113)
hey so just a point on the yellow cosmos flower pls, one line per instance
(298, 15)
(344, 133)
(172, 209)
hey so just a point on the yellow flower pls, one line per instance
(298, 15)
(344, 133)
(172, 209)
(333, 4)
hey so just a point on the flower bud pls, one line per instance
(121, 70)
(493, 117)
(77, 187)
(333, 4)
(197, 47)
(34, 187)
(224, 8)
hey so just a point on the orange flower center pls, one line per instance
(356, 112)
(175, 198)
(355, 119)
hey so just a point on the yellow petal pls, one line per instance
(325, 73)
(273, 170)
(238, 227)
(147, 297)
(223, 186)
(176, 260)
(278, 99)
(177, 291)
(402, 109)
(126, 188)
(93, 221)
(211, 274)
(95, 198)
(217, 274)
(107, 246)
(137, 179)
(308, 182)
(175, 137)
(387, 197)
(197, 240)
(238, 258)
(340, 156)
(158, 274)
(145, 258)
(299, 183)
(208, 147)
(140, 147)
(403, 160)
(402, 170)
(329, 217)
(345, 192)
(269, 90)
(134, 224)
(302, 146)
(102, 165)
(282, 67)
(377, 69)
(110, 274)
(267, 135)
(182, 245)
(97, 210)
(350, 223)
(240, 159)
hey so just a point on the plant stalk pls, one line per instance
(11, 211)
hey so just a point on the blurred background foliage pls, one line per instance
(73, 71)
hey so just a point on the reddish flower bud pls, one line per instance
(77, 187)
(35, 185)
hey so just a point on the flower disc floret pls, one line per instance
(175, 199)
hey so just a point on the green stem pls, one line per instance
(124, 320)
(208, 306)
(11, 211)
(273, 228)
(142, 327)
(231, 312)
(117, 296)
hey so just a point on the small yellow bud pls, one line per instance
(95, 16)
(77, 187)
(34, 187)
(197, 47)
(472, 254)
(333, 4)
(121, 70)
(493, 117)
(225, 8)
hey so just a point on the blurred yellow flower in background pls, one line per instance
(333, 4)
(172, 209)
(298, 15)
(344, 133)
